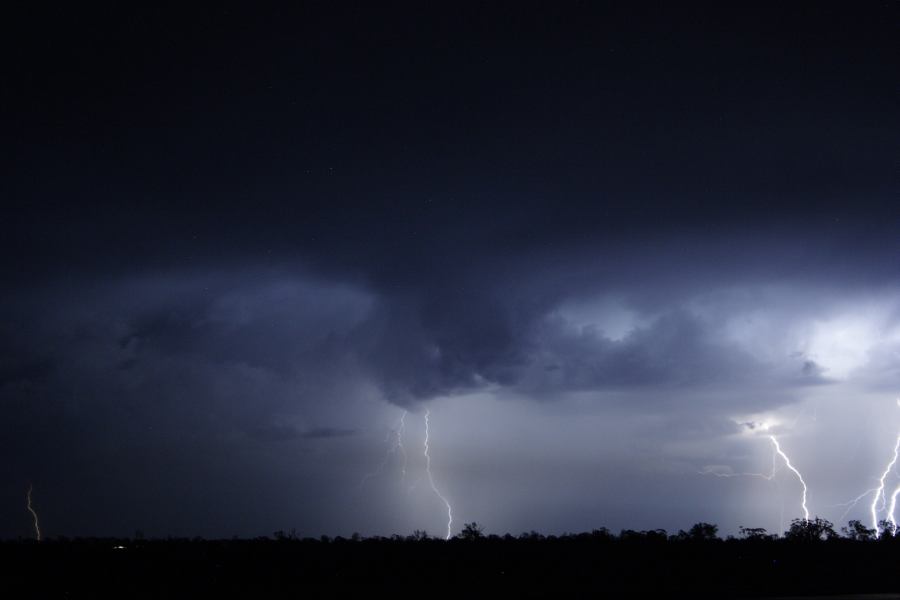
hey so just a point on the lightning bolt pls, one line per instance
(395, 447)
(879, 491)
(891, 510)
(431, 480)
(787, 463)
(37, 526)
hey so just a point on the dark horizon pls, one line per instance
(695, 563)
(616, 253)
(800, 530)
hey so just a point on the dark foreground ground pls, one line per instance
(586, 565)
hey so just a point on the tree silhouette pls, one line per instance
(471, 531)
(855, 530)
(754, 533)
(703, 532)
(419, 535)
(811, 530)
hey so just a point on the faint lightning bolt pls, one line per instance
(400, 447)
(710, 470)
(431, 480)
(37, 526)
(787, 463)
(396, 446)
(879, 491)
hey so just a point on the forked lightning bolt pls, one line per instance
(431, 481)
(37, 526)
(787, 463)
(879, 491)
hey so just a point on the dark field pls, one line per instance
(634, 564)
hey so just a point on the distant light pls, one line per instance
(118, 547)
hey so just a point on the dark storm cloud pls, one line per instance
(675, 350)
(264, 352)
(438, 344)
(197, 351)
(543, 354)
(504, 323)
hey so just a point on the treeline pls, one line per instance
(815, 529)
(812, 557)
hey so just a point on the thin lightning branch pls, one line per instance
(400, 447)
(37, 526)
(879, 492)
(787, 463)
(768, 477)
(396, 446)
(852, 503)
(431, 480)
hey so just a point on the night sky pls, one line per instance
(610, 251)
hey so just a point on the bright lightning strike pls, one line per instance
(37, 526)
(787, 463)
(879, 491)
(431, 481)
